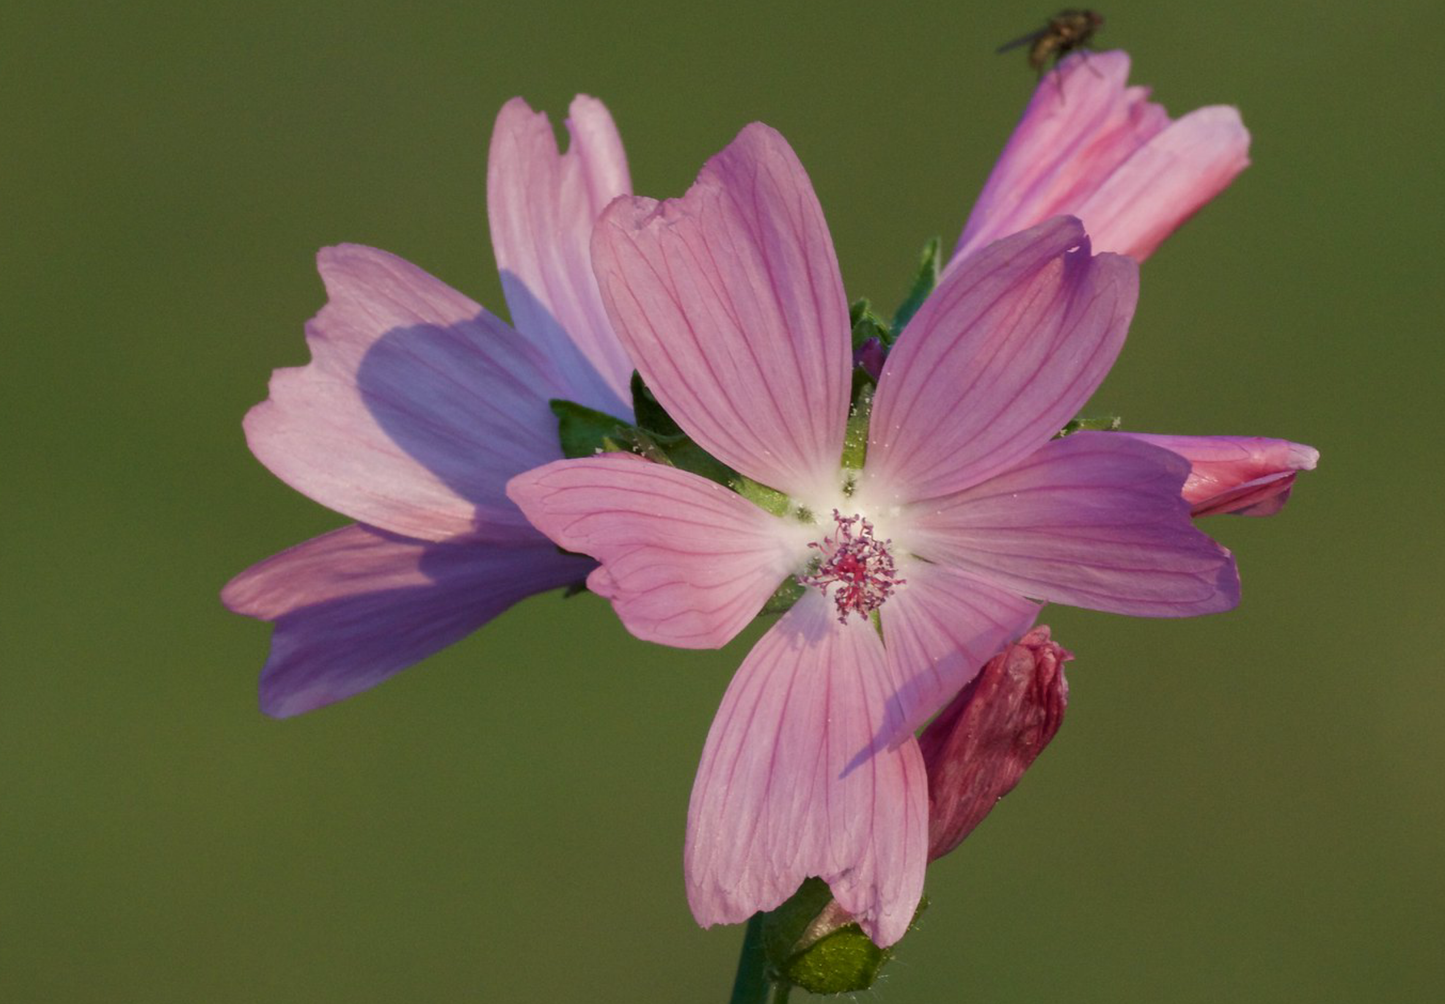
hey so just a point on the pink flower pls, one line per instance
(1090, 146)
(730, 303)
(416, 408)
(1243, 475)
(978, 747)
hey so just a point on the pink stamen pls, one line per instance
(859, 563)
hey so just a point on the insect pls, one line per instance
(1066, 31)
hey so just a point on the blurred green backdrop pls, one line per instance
(1246, 807)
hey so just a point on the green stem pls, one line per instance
(752, 983)
(781, 990)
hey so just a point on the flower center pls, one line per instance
(858, 563)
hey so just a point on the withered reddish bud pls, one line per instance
(980, 746)
(1242, 475)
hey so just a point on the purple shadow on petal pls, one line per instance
(508, 425)
(357, 605)
(574, 376)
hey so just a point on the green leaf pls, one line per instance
(1104, 423)
(585, 431)
(930, 265)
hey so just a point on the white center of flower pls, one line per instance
(856, 568)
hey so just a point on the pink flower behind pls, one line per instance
(416, 408)
(731, 304)
(1091, 146)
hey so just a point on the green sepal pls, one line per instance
(855, 438)
(585, 432)
(658, 428)
(841, 962)
(1104, 423)
(650, 414)
(930, 265)
(765, 498)
(810, 943)
(688, 456)
(790, 592)
(861, 378)
(649, 446)
(867, 324)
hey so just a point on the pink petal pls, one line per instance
(939, 628)
(795, 783)
(542, 206)
(978, 749)
(1244, 475)
(354, 606)
(1094, 520)
(1092, 147)
(685, 561)
(415, 409)
(731, 304)
(1004, 352)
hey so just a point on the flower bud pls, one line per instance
(870, 357)
(1243, 475)
(980, 746)
(812, 942)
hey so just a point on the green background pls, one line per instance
(1247, 807)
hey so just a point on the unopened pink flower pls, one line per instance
(1242, 475)
(978, 747)
(416, 408)
(1091, 146)
(920, 563)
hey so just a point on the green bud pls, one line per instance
(867, 324)
(811, 942)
